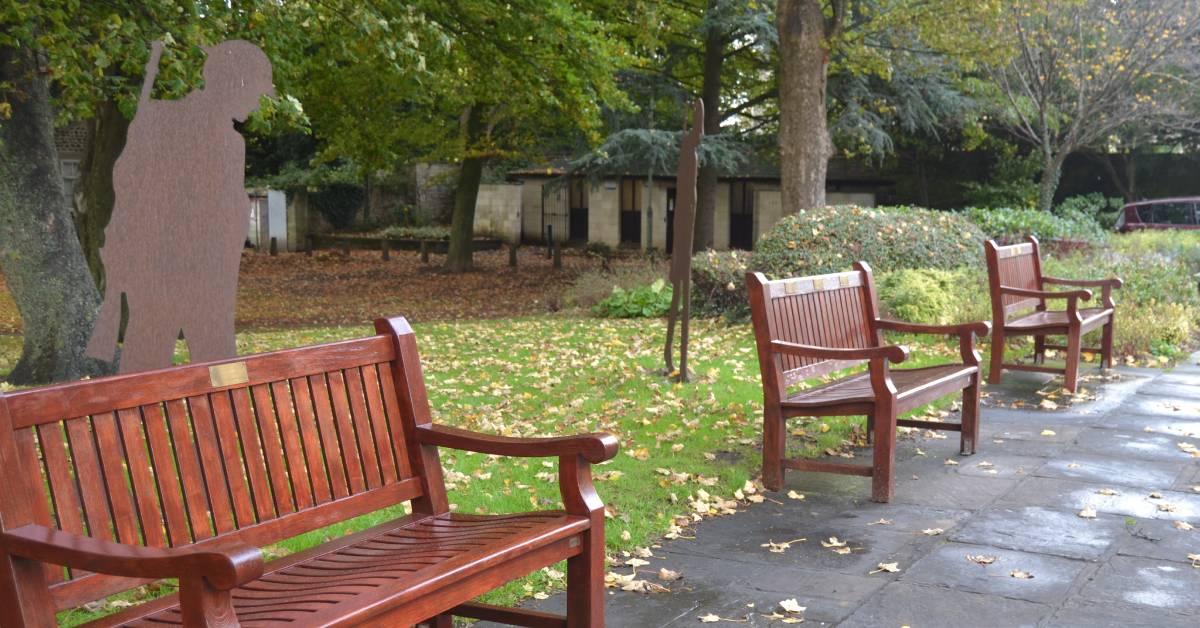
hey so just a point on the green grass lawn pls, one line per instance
(564, 375)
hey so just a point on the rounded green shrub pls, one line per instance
(643, 302)
(1008, 224)
(719, 284)
(934, 295)
(830, 239)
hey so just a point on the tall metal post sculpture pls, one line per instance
(180, 216)
(681, 247)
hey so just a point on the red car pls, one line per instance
(1166, 213)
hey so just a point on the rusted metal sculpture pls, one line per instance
(681, 258)
(180, 216)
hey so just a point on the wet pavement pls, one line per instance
(1012, 549)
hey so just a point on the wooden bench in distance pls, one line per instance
(811, 326)
(1017, 284)
(185, 472)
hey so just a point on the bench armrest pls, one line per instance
(892, 353)
(979, 328)
(594, 448)
(231, 565)
(1111, 282)
(1082, 295)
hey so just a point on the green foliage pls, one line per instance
(719, 284)
(338, 203)
(1013, 182)
(1009, 224)
(1173, 246)
(1104, 210)
(830, 239)
(644, 302)
(934, 296)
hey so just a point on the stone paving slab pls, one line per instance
(1088, 614)
(1042, 530)
(910, 604)
(1143, 582)
(1073, 496)
(1159, 540)
(1122, 445)
(949, 566)
(1114, 470)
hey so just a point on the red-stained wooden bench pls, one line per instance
(807, 327)
(1017, 285)
(185, 472)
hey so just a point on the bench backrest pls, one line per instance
(260, 449)
(1013, 266)
(836, 310)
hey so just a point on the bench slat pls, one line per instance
(91, 483)
(112, 463)
(334, 460)
(379, 426)
(145, 487)
(63, 490)
(252, 452)
(395, 421)
(220, 408)
(362, 427)
(345, 431)
(219, 497)
(297, 464)
(170, 490)
(318, 475)
(272, 446)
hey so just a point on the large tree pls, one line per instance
(1084, 72)
(859, 35)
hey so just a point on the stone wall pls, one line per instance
(498, 210)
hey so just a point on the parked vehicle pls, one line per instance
(1166, 213)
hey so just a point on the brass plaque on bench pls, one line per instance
(230, 374)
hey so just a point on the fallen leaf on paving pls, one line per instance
(1196, 488)
(1183, 525)
(709, 619)
(932, 531)
(985, 465)
(1088, 513)
(1166, 507)
(919, 452)
(1155, 495)
(888, 567)
(540, 596)
(1195, 558)
(1020, 575)
(1108, 491)
(792, 606)
(1049, 405)
(1072, 465)
(833, 542)
(951, 463)
(1048, 432)
(668, 575)
(981, 559)
(795, 495)
(881, 522)
(636, 562)
(779, 548)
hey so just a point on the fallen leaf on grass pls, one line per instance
(981, 559)
(1088, 513)
(885, 567)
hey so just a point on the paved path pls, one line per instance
(1126, 567)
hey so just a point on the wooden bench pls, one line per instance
(185, 472)
(1017, 285)
(807, 327)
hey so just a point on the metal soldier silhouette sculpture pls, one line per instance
(681, 257)
(180, 216)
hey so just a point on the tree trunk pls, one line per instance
(804, 142)
(710, 93)
(94, 197)
(39, 249)
(459, 258)
(1051, 172)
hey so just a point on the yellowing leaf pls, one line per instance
(795, 495)
(1020, 575)
(792, 606)
(932, 531)
(1088, 513)
(1183, 525)
(981, 559)
(885, 567)
(1048, 433)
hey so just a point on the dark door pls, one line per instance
(578, 230)
(741, 216)
(631, 212)
(670, 220)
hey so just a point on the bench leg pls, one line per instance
(970, 418)
(1074, 338)
(1039, 349)
(883, 472)
(202, 605)
(773, 448)
(585, 580)
(870, 429)
(997, 361)
(1106, 345)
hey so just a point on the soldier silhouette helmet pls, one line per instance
(237, 74)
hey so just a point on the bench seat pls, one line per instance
(913, 388)
(1093, 317)
(395, 562)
